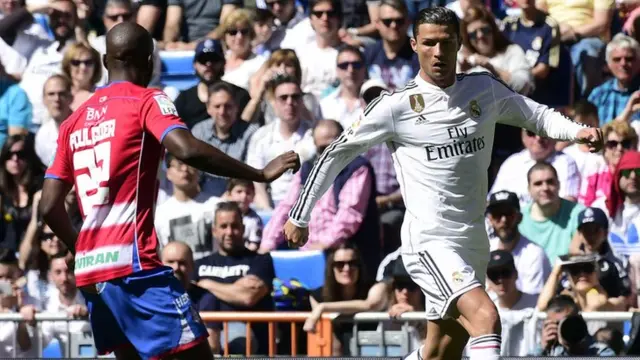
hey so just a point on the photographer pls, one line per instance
(565, 332)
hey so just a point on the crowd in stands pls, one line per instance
(279, 75)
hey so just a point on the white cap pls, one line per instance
(373, 83)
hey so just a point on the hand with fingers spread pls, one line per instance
(591, 137)
(278, 166)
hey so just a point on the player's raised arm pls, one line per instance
(518, 110)
(374, 127)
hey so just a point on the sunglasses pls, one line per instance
(47, 236)
(577, 269)
(485, 31)
(234, 32)
(612, 144)
(210, 57)
(405, 284)
(79, 62)
(357, 65)
(497, 274)
(329, 13)
(627, 172)
(499, 213)
(119, 17)
(294, 97)
(21, 154)
(342, 264)
(388, 21)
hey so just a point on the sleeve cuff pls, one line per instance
(298, 223)
(172, 127)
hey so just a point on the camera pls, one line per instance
(572, 331)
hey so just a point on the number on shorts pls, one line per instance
(91, 187)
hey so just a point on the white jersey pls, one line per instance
(441, 141)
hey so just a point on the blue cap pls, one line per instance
(209, 46)
(593, 215)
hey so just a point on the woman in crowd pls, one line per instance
(20, 178)
(81, 63)
(346, 290)
(237, 34)
(618, 137)
(260, 107)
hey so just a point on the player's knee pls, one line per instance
(486, 320)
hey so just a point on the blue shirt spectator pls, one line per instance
(15, 109)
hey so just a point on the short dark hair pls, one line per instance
(562, 303)
(227, 206)
(584, 107)
(232, 183)
(220, 86)
(436, 16)
(541, 165)
(398, 5)
(284, 78)
(352, 49)
(261, 16)
(336, 4)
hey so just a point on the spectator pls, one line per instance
(584, 112)
(81, 64)
(115, 12)
(223, 131)
(582, 27)
(243, 192)
(530, 260)
(260, 108)
(537, 149)
(47, 58)
(289, 132)
(20, 179)
(615, 97)
(485, 48)
(57, 98)
(186, 215)
(208, 63)
(346, 290)
(152, 15)
(592, 239)
(391, 59)
(347, 213)
(15, 108)
(612, 338)
(178, 256)
(538, 35)
(18, 27)
(359, 22)
(67, 300)
(318, 57)
(239, 279)
(344, 103)
(237, 34)
(555, 328)
(292, 24)
(191, 21)
(15, 339)
(265, 41)
(502, 276)
(549, 220)
(619, 137)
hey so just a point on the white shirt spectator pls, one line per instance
(267, 143)
(512, 175)
(29, 38)
(39, 290)
(12, 61)
(100, 44)
(46, 61)
(241, 75)
(8, 331)
(334, 107)
(587, 162)
(188, 221)
(514, 61)
(531, 263)
(517, 326)
(318, 67)
(298, 35)
(58, 329)
(46, 142)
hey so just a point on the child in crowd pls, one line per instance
(243, 192)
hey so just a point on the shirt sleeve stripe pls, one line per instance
(51, 176)
(172, 127)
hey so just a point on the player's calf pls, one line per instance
(479, 316)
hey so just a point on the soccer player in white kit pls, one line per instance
(440, 130)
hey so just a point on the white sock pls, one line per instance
(485, 347)
(415, 355)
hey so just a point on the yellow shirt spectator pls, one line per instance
(576, 13)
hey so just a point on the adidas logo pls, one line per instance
(421, 120)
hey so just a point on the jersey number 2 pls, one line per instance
(92, 187)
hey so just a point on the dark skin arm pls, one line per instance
(54, 212)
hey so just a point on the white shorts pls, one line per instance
(444, 272)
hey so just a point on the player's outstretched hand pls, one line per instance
(276, 167)
(592, 137)
(296, 236)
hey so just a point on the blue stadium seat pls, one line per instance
(52, 351)
(177, 69)
(306, 266)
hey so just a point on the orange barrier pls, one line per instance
(319, 343)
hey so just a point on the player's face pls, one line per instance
(177, 258)
(50, 244)
(502, 280)
(481, 37)
(324, 19)
(437, 47)
(181, 175)
(209, 68)
(624, 64)
(243, 196)
(228, 230)
(57, 98)
(63, 20)
(392, 24)
(62, 278)
(345, 267)
(504, 219)
(544, 187)
(16, 162)
(222, 108)
(539, 147)
(350, 70)
(615, 146)
(288, 101)
(114, 15)
(630, 184)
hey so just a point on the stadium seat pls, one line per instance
(177, 69)
(305, 266)
(52, 351)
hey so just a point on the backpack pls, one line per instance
(290, 295)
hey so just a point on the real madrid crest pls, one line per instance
(536, 44)
(417, 102)
(475, 109)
